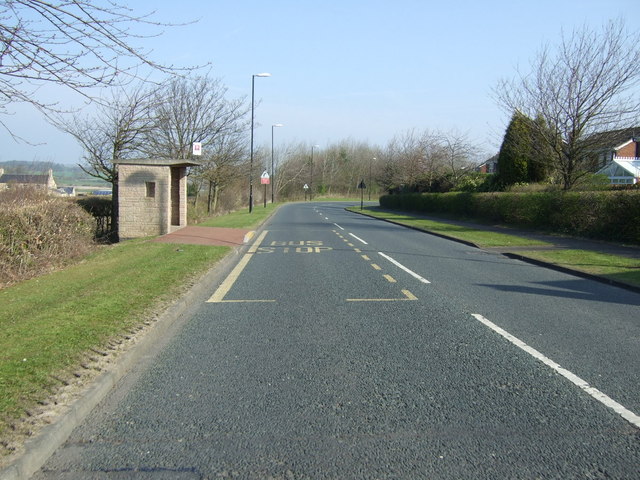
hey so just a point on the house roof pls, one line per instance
(24, 179)
(614, 139)
(622, 168)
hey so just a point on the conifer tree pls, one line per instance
(515, 151)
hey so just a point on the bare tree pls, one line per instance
(221, 164)
(458, 151)
(79, 44)
(193, 109)
(582, 88)
(116, 131)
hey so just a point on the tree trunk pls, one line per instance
(113, 234)
(216, 193)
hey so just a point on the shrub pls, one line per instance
(39, 232)
(607, 215)
(101, 209)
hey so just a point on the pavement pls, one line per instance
(194, 235)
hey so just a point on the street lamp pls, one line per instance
(311, 181)
(275, 125)
(370, 184)
(253, 78)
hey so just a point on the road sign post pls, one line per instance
(305, 188)
(361, 186)
(264, 180)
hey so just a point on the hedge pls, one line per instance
(39, 232)
(606, 215)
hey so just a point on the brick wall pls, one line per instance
(144, 200)
(629, 150)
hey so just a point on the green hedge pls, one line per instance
(609, 215)
(101, 209)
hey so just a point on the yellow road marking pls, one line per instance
(407, 296)
(390, 278)
(376, 267)
(366, 257)
(224, 288)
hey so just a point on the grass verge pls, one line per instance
(614, 267)
(620, 269)
(479, 237)
(241, 218)
(50, 322)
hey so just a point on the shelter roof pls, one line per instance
(158, 162)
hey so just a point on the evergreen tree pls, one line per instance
(540, 165)
(515, 151)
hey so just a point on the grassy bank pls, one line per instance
(49, 323)
(614, 267)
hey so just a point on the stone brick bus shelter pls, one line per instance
(152, 196)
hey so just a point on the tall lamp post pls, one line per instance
(275, 125)
(370, 182)
(253, 79)
(311, 180)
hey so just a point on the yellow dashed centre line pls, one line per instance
(407, 294)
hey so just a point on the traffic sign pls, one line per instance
(264, 178)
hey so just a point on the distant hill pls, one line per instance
(64, 175)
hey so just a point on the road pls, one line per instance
(340, 346)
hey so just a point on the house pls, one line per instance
(490, 166)
(42, 181)
(622, 170)
(618, 155)
(67, 191)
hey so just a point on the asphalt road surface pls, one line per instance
(340, 346)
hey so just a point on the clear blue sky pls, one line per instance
(364, 70)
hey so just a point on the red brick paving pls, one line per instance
(194, 235)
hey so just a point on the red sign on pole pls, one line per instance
(264, 179)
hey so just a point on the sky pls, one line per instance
(359, 70)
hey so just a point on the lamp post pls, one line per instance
(370, 184)
(275, 125)
(311, 180)
(253, 78)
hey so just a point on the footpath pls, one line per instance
(554, 242)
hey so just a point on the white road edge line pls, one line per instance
(359, 239)
(338, 226)
(399, 265)
(607, 401)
